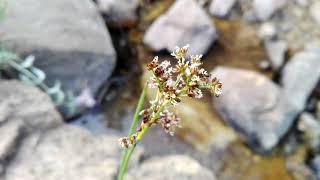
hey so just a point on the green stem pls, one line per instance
(138, 110)
(29, 75)
(126, 155)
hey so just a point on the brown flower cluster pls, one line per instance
(186, 78)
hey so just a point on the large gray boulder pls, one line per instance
(27, 105)
(67, 37)
(254, 106)
(186, 22)
(24, 110)
(170, 168)
(64, 153)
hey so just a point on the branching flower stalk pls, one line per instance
(185, 79)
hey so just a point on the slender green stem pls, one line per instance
(28, 74)
(126, 155)
(138, 110)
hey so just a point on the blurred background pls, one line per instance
(71, 72)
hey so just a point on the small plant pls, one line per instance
(186, 79)
(32, 75)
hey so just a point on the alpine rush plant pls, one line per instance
(185, 79)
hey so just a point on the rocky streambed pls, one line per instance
(264, 126)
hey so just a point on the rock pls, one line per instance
(221, 8)
(67, 152)
(171, 168)
(170, 30)
(253, 105)
(315, 11)
(315, 163)
(27, 104)
(300, 76)
(276, 52)
(265, 9)
(121, 12)
(68, 39)
(24, 109)
(311, 129)
(267, 31)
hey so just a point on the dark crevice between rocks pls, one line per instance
(124, 80)
(278, 73)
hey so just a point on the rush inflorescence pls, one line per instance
(185, 79)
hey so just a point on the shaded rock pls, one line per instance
(170, 29)
(221, 8)
(276, 52)
(122, 12)
(311, 129)
(265, 9)
(171, 168)
(67, 152)
(315, 11)
(253, 105)
(68, 39)
(300, 76)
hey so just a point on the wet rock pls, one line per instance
(221, 8)
(265, 9)
(311, 129)
(170, 29)
(238, 162)
(170, 168)
(68, 39)
(67, 152)
(300, 76)
(121, 12)
(276, 52)
(315, 11)
(253, 105)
